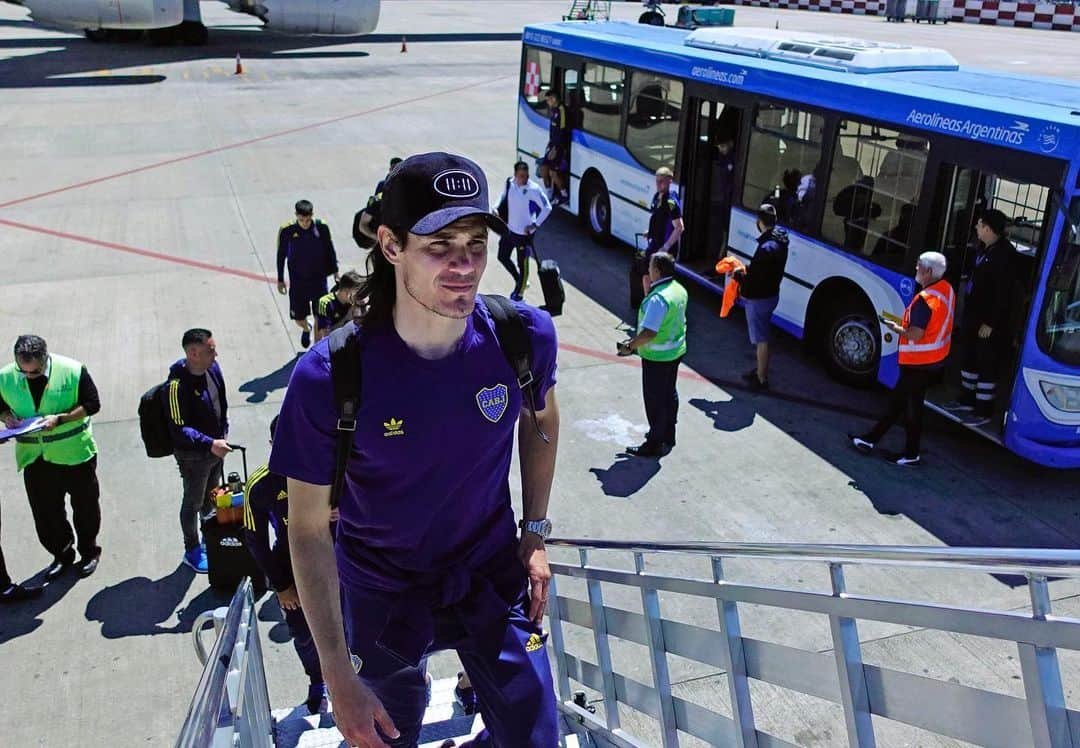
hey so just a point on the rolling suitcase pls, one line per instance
(227, 557)
(552, 286)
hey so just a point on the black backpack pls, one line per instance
(154, 422)
(503, 208)
(345, 374)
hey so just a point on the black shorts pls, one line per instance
(304, 301)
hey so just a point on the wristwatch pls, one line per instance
(541, 527)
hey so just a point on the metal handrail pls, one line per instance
(1035, 561)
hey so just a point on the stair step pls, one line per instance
(442, 719)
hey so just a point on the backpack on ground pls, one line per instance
(345, 374)
(154, 422)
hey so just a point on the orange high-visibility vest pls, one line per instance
(933, 346)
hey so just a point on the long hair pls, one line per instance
(379, 288)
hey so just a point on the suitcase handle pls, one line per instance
(243, 456)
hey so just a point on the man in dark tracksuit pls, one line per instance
(199, 424)
(984, 325)
(266, 505)
(366, 220)
(306, 247)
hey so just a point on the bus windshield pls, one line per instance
(1059, 325)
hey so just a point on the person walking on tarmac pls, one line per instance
(759, 287)
(61, 459)
(340, 305)
(305, 246)
(661, 343)
(984, 324)
(428, 555)
(266, 505)
(199, 424)
(925, 337)
(526, 207)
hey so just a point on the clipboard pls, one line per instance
(890, 317)
(25, 426)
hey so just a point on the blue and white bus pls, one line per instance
(874, 152)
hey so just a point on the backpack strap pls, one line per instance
(345, 375)
(516, 344)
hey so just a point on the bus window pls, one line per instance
(602, 95)
(1059, 324)
(536, 79)
(785, 150)
(874, 186)
(652, 124)
(1025, 205)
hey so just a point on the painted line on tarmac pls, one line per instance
(250, 141)
(140, 252)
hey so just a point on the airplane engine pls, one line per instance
(107, 14)
(331, 17)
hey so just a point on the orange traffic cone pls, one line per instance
(404, 46)
(239, 65)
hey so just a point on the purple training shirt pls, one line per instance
(427, 487)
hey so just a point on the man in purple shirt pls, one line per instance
(428, 554)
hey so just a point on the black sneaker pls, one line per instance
(861, 445)
(88, 565)
(647, 449)
(467, 697)
(17, 593)
(60, 564)
(305, 338)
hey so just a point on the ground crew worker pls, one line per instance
(340, 305)
(61, 459)
(661, 343)
(427, 550)
(556, 163)
(266, 505)
(925, 337)
(199, 423)
(984, 327)
(759, 287)
(527, 207)
(306, 247)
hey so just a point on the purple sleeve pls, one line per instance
(307, 428)
(545, 347)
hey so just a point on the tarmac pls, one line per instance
(140, 194)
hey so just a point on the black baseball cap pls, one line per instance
(427, 192)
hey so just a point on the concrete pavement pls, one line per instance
(140, 195)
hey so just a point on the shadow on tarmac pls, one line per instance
(19, 619)
(139, 606)
(80, 57)
(968, 492)
(260, 387)
(626, 476)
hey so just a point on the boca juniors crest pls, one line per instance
(493, 401)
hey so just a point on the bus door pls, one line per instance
(962, 194)
(708, 180)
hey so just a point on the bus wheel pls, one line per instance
(596, 210)
(652, 18)
(852, 346)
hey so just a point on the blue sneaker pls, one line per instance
(316, 699)
(516, 296)
(196, 559)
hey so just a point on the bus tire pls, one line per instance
(652, 18)
(595, 210)
(851, 343)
